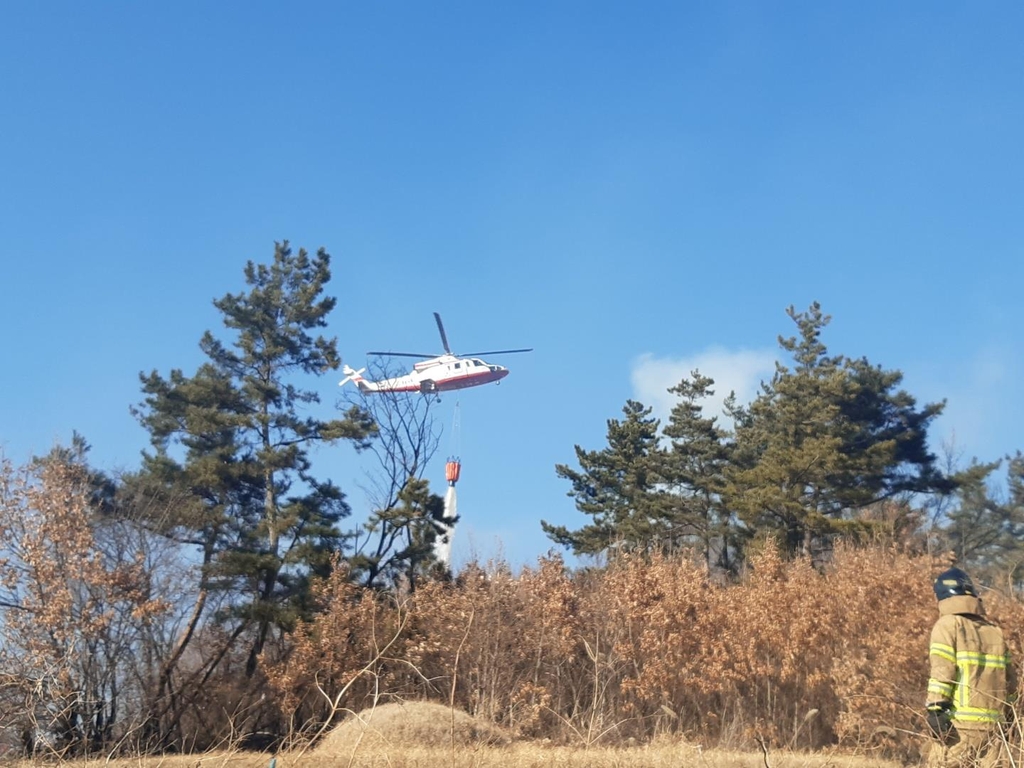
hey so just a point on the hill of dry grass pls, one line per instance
(417, 724)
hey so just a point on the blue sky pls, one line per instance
(631, 189)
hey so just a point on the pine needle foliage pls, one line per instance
(619, 488)
(259, 517)
(824, 439)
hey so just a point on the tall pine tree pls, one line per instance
(694, 473)
(824, 439)
(618, 487)
(244, 490)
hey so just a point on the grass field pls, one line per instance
(515, 756)
(404, 735)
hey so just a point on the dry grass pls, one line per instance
(520, 755)
(426, 734)
(406, 726)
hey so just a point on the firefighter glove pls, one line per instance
(939, 720)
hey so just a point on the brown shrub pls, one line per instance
(789, 655)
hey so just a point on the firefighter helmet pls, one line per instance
(952, 583)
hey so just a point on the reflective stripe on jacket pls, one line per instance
(970, 664)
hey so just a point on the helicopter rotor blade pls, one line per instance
(496, 352)
(444, 338)
(401, 354)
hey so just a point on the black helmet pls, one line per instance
(952, 583)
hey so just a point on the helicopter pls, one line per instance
(436, 373)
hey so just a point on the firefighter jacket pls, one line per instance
(971, 673)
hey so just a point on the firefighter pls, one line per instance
(971, 679)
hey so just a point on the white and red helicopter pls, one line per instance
(437, 373)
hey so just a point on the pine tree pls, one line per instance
(1015, 481)
(825, 439)
(984, 529)
(403, 536)
(244, 488)
(694, 473)
(618, 487)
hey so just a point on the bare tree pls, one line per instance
(397, 541)
(179, 655)
(77, 603)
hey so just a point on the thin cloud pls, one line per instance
(740, 371)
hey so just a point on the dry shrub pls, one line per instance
(499, 645)
(789, 656)
(884, 610)
(341, 659)
(77, 604)
(412, 724)
(658, 629)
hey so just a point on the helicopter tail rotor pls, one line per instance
(351, 375)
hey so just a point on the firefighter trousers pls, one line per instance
(974, 748)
